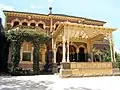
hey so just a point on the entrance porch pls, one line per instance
(69, 33)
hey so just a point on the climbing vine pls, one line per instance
(19, 35)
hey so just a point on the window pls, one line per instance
(32, 24)
(15, 23)
(24, 24)
(26, 56)
(27, 51)
(40, 25)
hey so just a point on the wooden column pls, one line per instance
(52, 43)
(64, 49)
(89, 49)
(51, 25)
(54, 49)
(77, 51)
(68, 51)
(111, 50)
(68, 60)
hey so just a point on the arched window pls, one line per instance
(24, 23)
(32, 24)
(40, 25)
(15, 23)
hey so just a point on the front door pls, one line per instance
(81, 55)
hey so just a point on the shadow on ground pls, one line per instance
(13, 84)
(10, 83)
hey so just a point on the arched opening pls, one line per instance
(32, 24)
(81, 55)
(25, 24)
(15, 23)
(56, 26)
(40, 25)
(59, 54)
(72, 53)
(81, 50)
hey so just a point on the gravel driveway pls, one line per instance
(53, 82)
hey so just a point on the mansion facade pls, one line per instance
(72, 38)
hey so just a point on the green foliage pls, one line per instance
(106, 54)
(22, 72)
(36, 59)
(16, 53)
(18, 36)
(118, 60)
(107, 57)
(118, 57)
(30, 35)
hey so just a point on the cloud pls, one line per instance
(6, 7)
(36, 6)
(50, 0)
(117, 49)
(26, 10)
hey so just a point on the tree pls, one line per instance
(117, 60)
(106, 53)
(96, 53)
(4, 46)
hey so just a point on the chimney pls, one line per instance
(50, 8)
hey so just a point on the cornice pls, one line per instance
(54, 16)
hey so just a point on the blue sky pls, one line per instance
(107, 10)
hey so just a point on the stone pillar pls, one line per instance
(68, 51)
(64, 49)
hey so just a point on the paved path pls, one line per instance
(53, 82)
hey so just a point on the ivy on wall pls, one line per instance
(19, 35)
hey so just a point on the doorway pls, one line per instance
(72, 53)
(81, 55)
(59, 55)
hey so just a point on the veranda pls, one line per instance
(70, 32)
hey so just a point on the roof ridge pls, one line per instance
(55, 14)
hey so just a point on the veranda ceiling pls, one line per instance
(75, 31)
